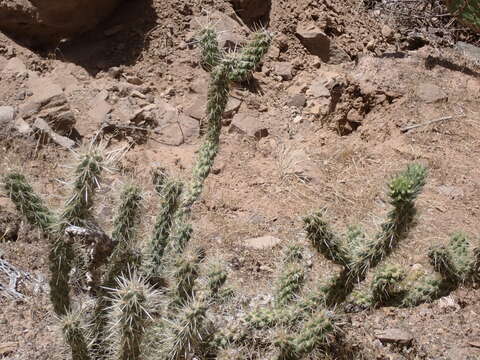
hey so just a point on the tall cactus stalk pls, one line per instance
(76, 336)
(132, 301)
(124, 258)
(31, 206)
(87, 180)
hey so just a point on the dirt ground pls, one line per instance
(338, 161)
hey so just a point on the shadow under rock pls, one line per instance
(117, 41)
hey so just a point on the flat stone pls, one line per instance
(7, 114)
(398, 336)
(15, 66)
(284, 70)
(45, 91)
(315, 40)
(173, 127)
(63, 141)
(298, 101)
(248, 125)
(462, 353)
(431, 93)
(318, 89)
(197, 108)
(262, 243)
(21, 126)
(469, 50)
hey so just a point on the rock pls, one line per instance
(49, 21)
(430, 93)
(248, 125)
(15, 66)
(453, 192)
(284, 70)
(387, 32)
(98, 113)
(22, 127)
(318, 89)
(462, 353)
(197, 109)
(398, 336)
(42, 126)
(232, 107)
(7, 114)
(319, 44)
(262, 243)
(319, 107)
(469, 50)
(173, 128)
(297, 101)
(50, 103)
(252, 11)
(7, 348)
(316, 41)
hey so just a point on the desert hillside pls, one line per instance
(310, 170)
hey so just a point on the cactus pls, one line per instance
(76, 335)
(216, 277)
(87, 180)
(357, 254)
(211, 54)
(186, 331)
(171, 193)
(132, 301)
(31, 206)
(385, 282)
(324, 240)
(316, 333)
(289, 284)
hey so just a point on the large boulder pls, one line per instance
(40, 22)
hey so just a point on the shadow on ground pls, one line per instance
(117, 41)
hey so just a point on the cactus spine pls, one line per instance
(76, 336)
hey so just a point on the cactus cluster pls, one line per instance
(152, 300)
(356, 252)
(162, 301)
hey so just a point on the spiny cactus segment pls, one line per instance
(87, 180)
(132, 302)
(76, 335)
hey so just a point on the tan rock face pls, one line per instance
(39, 22)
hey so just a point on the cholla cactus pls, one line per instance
(186, 331)
(456, 261)
(31, 206)
(76, 335)
(357, 253)
(423, 290)
(211, 53)
(132, 302)
(87, 180)
(185, 272)
(324, 240)
(317, 332)
(285, 345)
(170, 192)
(289, 284)
(216, 278)
(385, 282)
